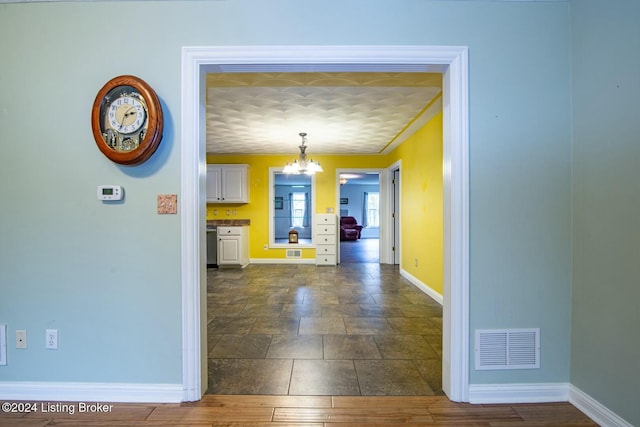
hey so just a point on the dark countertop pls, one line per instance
(227, 222)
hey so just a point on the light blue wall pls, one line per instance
(606, 200)
(108, 276)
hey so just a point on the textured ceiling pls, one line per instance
(342, 113)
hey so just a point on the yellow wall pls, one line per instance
(257, 211)
(421, 210)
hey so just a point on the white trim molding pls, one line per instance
(543, 393)
(91, 392)
(519, 393)
(193, 226)
(422, 286)
(417, 124)
(451, 61)
(387, 234)
(594, 409)
(455, 167)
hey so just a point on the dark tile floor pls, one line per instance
(354, 329)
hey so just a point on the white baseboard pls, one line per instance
(519, 393)
(91, 392)
(282, 261)
(546, 392)
(423, 287)
(594, 409)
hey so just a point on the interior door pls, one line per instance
(396, 216)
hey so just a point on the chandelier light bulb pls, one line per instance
(301, 165)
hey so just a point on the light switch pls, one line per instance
(167, 204)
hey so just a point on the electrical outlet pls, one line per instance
(21, 338)
(51, 339)
(266, 247)
(416, 262)
(3, 345)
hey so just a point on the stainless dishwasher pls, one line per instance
(212, 247)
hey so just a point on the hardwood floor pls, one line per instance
(317, 411)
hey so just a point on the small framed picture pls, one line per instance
(278, 203)
(344, 201)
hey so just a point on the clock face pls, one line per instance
(123, 119)
(127, 120)
(126, 115)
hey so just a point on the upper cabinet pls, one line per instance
(227, 184)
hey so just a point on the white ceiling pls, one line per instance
(342, 113)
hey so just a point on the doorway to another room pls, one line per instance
(452, 62)
(359, 212)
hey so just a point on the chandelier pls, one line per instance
(302, 165)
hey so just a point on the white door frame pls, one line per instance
(452, 61)
(395, 201)
(382, 238)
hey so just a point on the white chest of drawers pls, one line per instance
(326, 239)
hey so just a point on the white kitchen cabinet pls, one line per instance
(227, 184)
(326, 239)
(233, 246)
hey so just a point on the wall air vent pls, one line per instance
(507, 349)
(294, 253)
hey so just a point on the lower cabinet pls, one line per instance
(326, 239)
(233, 246)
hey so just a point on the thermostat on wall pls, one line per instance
(110, 192)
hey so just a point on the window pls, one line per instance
(371, 212)
(291, 205)
(298, 209)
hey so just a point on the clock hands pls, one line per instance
(131, 111)
(126, 115)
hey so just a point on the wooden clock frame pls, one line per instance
(154, 121)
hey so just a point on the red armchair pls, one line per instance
(349, 228)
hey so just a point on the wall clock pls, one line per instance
(126, 120)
